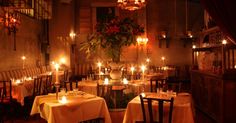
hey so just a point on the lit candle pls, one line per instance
(106, 81)
(143, 94)
(132, 73)
(23, 58)
(163, 60)
(62, 60)
(63, 100)
(57, 68)
(125, 81)
(143, 67)
(224, 42)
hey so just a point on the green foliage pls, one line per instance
(112, 36)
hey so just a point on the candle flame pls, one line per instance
(125, 81)
(106, 81)
(23, 57)
(99, 64)
(63, 100)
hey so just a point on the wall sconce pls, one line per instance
(11, 21)
(188, 38)
(163, 37)
(142, 41)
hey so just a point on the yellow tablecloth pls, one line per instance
(78, 108)
(182, 112)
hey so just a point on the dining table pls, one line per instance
(21, 89)
(72, 107)
(182, 111)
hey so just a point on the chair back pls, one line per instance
(156, 82)
(47, 84)
(37, 86)
(5, 91)
(103, 90)
(160, 108)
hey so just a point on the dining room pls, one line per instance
(117, 61)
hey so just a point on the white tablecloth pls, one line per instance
(182, 111)
(78, 108)
(20, 91)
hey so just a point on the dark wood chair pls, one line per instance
(72, 79)
(10, 108)
(47, 84)
(160, 109)
(174, 83)
(28, 101)
(156, 82)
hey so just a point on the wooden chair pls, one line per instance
(174, 83)
(160, 109)
(47, 84)
(158, 81)
(10, 108)
(28, 101)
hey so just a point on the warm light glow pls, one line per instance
(53, 62)
(143, 68)
(131, 4)
(143, 94)
(132, 69)
(234, 66)
(162, 58)
(99, 64)
(189, 33)
(72, 35)
(163, 36)
(62, 60)
(17, 81)
(56, 65)
(106, 81)
(63, 100)
(224, 42)
(147, 60)
(23, 57)
(194, 46)
(142, 41)
(125, 81)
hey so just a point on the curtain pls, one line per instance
(224, 14)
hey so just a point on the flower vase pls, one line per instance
(116, 72)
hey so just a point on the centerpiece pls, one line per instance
(112, 36)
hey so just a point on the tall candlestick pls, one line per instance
(132, 73)
(57, 67)
(23, 58)
(163, 61)
(143, 67)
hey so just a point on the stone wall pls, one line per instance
(27, 44)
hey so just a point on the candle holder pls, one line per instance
(57, 85)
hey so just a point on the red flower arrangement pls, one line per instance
(115, 34)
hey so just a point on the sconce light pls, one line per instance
(163, 37)
(188, 38)
(142, 41)
(224, 42)
(11, 21)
